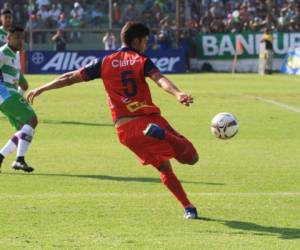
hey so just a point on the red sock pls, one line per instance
(184, 150)
(170, 180)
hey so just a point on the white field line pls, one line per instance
(140, 195)
(280, 104)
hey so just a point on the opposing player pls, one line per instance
(12, 103)
(6, 20)
(137, 119)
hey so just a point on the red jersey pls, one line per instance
(123, 74)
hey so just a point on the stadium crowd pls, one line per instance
(196, 15)
(244, 15)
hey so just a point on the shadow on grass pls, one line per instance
(256, 229)
(77, 123)
(111, 178)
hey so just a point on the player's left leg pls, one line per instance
(170, 180)
(24, 120)
(25, 135)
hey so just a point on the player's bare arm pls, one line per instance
(64, 80)
(170, 87)
(23, 84)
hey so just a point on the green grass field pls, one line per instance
(89, 192)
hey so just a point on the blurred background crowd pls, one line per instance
(46, 17)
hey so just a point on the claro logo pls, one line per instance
(119, 63)
(67, 61)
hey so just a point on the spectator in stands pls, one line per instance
(75, 24)
(40, 25)
(164, 34)
(40, 3)
(148, 19)
(185, 43)
(97, 15)
(62, 23)
(60, 41)
(148, 4)
(152, 41)
(157, 12)
(55, 13)
(36, 25)
(244, 13)
(205, 22)
(170, 6)
(296, 21)
(44, 15)
(6, 19)
(77, 12)
(109, 41)
(7, 5)
(255, 24)
(116, 14)
(161, 4)
(19, 14)
(131, 14)
(217, 10)
(202, 15)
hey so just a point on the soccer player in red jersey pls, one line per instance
(138, 122)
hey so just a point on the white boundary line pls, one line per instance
(280, 104)
(141, 195)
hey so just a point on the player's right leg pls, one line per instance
(184, 149)
(24, 120)
(157, 153)
(170, 180)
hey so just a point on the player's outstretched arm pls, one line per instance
(170, 87)
(60, 82)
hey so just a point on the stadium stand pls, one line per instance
(91, 18)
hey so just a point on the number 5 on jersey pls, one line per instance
(129, 83)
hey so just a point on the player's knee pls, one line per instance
(191, 159)
(195, 159)
(33, 122)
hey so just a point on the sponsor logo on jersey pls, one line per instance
(122, 63)
(134, 106)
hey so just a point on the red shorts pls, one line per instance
(148, 149)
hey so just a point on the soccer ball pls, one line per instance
(224, 126)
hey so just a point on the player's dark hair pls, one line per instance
(132, 30)
(14, 29)
(6, 11)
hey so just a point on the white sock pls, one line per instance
(25, 137)
(10, 146)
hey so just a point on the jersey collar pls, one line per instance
(128, 49)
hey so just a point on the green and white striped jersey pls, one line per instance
(3, 36)
(9, 67)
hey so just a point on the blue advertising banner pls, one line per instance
(51, 62)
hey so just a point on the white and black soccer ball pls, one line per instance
(224, 126)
